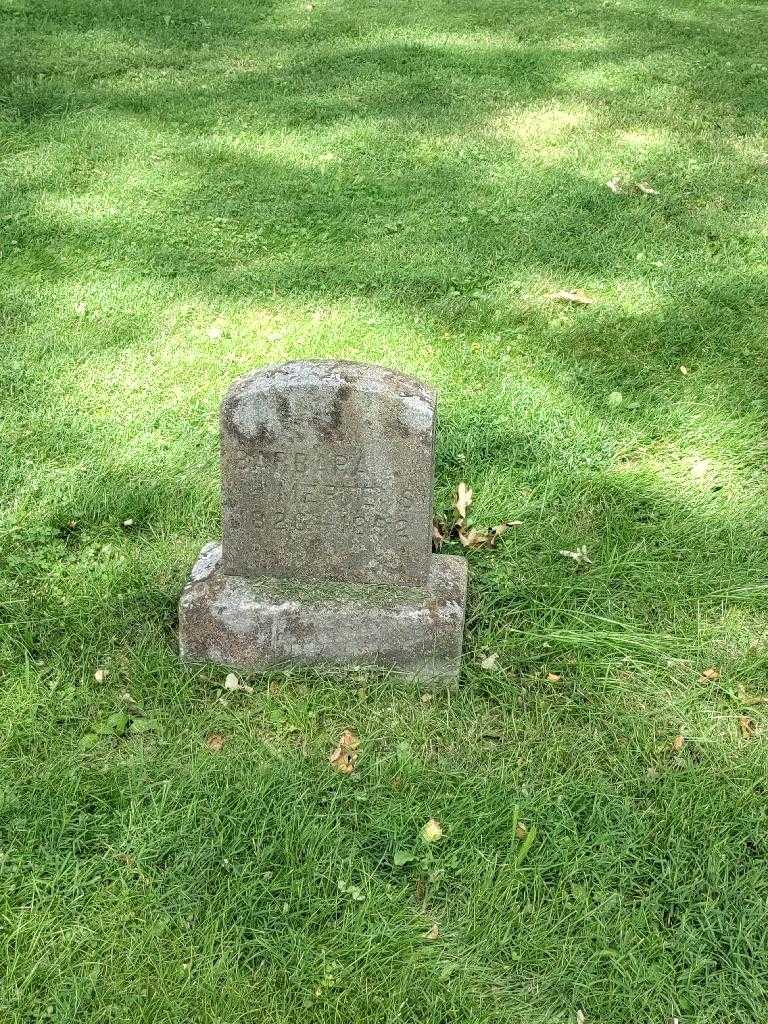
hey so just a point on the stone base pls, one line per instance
(265, 624)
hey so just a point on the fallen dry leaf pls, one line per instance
(100, 674)
(344, 757)
(579, 556)
(457, 529)
(463, 500)
(214, 741)
(489, 663)
(473, 538)
(709, 675)
(645, 188)
(576, 298)
(438, 534)
(614, 185)
(521, 830)
(233, 683)
(746, 727)
(485, 538)
(432, 831)
(678, 742)
(432, 934)
(553, 677)
(501, 528)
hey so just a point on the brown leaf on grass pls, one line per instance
(579, 556)
(553, 677)
(709, 675)
(501, 528)
(645, 188)
(233, 683)
(575, 298)
(462, 500)
(432, 934)
(344, 757)
(214, 741)
(746, 727)
(475, 539)
(678, 743)
(521, 830)
(457, 529)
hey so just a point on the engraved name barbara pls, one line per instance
(309, 490)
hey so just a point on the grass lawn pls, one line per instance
(189, 191)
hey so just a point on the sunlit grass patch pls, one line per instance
(543, 135)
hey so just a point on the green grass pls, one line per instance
(189, 191)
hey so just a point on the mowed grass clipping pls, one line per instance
(189, 191)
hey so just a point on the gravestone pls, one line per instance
(325, 558)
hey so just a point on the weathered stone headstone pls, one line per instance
(327, 476)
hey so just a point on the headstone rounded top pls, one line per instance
(369, 376)
(339, 375)
(327, 470)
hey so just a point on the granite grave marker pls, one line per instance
(325, 559)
